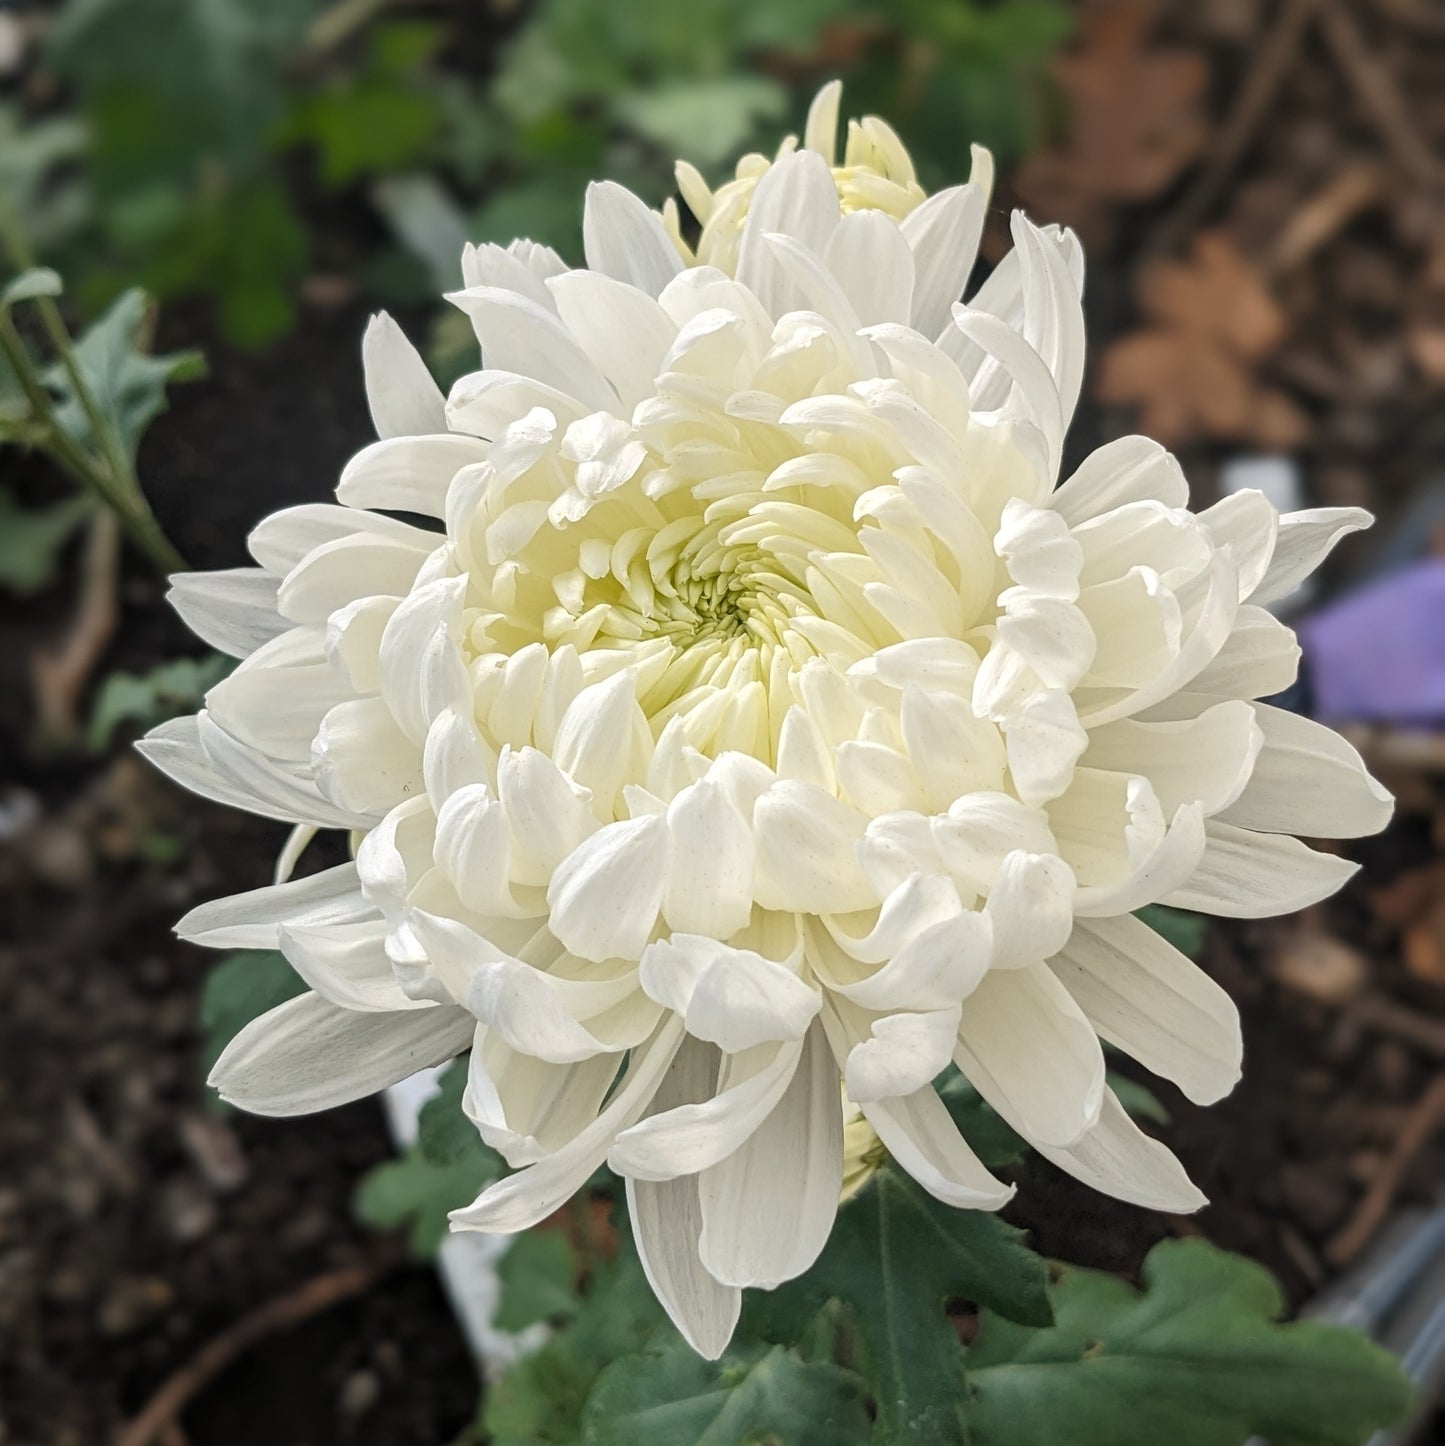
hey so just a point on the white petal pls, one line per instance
(690, 1138)
(605, 895)
(710, 871)
(873, 264)
(943, 234)
(1128, 469)
(347, 964)
(308, 1054)
(1305, 539)
(362, 761)
(806, 851)
(251, 920)
(201, 757)
(623, 330)
(1309, 781)
(519, 335)
(920, 1134)
(903, 1053)
(233, 610)
(734, 998)
(548, 813)
(1146, 998)
(1207, 759)
(519, 1201)
(403, 397)
(409, 474)
(1258, 659)
(1030, 908)
(1247, 875)
(799, 198)
(1166, 866)
(624, 240)
(1028, 1049)
(768, 1208)
(668, 1222)
(1117, 1158)
(526, 1108)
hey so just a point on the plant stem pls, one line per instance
(121, 495)
(111, 476)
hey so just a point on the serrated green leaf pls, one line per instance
(129, 385)
(414, 1194)
(146, 699)
(444, 1133)
(895, 1258)
(539, 1402)
(750, 1397)
(538, 1275)
(31, 538)
(447, 1168)
(1195, 1359)
(242, 987)
(30, 285)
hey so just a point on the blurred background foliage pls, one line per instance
(189, 146)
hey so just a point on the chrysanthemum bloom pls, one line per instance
(758, 711)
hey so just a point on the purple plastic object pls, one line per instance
(1377, 654)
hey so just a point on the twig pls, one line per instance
(1427, 1117)
(163, 1410)
(1256, 96)
(1404, 1024)
(59, 678)
(1378, 95)
(1324, 216)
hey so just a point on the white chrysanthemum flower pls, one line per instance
(757, 711)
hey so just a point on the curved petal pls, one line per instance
(768, 1208)
(1143, 996)
(308, 1054)
(1030, 1052)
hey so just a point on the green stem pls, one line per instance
(92, 473)
(111, 475)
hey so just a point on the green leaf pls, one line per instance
(48, 205)
(31, 539)
(447, 1167)
(1195, 1359)
(539, 1402)
(706, 121)
(213, 68)
(751, 1397)
(129, 385)
(415, 1194)
(444, 1133)
(1185, 931)
(538, 1275)
(146, 699)
(240, 988)
(30, 285)
(895, 1259)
